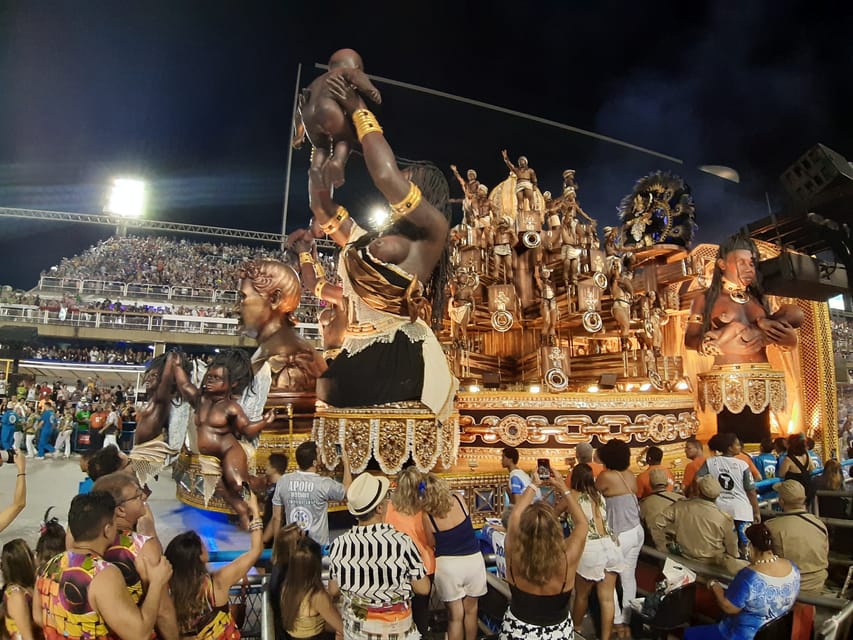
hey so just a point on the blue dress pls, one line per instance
(761, 598)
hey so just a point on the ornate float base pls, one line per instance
(390, 433)
(736, 387)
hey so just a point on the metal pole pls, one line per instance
(290, 158)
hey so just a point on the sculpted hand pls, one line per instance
(504, 154)
(300, 241)
(453, 167)
(345, 94)
(777, 331)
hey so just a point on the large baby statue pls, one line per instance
(269, 292)
(321, 119)
(220, 421)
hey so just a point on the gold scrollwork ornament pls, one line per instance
(557, 380)
(592, 321)
(600, 280)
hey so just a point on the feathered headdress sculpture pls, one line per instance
(660, 210)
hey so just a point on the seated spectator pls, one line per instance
(654, 457)
(306, 607)
(19, 498)
(19, 571)
(201, 598)
(831, 479)
(816, 459)
(585, 454)
(377, 604)
(102, 606)
(695, 453)
(800, 536)
(766, 460)
(759, 593)
(697, 529)
(542, 565)
(660, 498)
(798, 465)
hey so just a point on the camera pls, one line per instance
(9, 455)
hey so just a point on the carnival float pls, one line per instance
(555, 333)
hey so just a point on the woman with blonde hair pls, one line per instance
(460, 572)
(406, 515)
(19, 571)
(541, 565)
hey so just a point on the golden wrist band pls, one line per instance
(318, 288)
(365, 122)
(335, 223)
(319, 271)
(407, 204)
(695, 318)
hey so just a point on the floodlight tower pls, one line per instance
(126, 201)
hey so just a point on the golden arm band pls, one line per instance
(407, 204)
(365, 122)
(318, 288)
(306, 258)
(319, 271)
(696, 318)
(335, 223)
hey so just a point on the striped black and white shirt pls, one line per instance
(375, 565)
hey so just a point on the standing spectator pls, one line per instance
(798, 465)
(766, 460)
(817, 462)
(460, 572)
(30, 433)
(132, 551)
(18, 436)
(19, 571)
(654, 458)
(759, 593)
(51, 540)
(518, 479)
(306, 607)
(9, 419)
(601, 559)
(405, 514)
(831, 478)
(283, 545)
(97, 422)
(66, 428)
(201, 598)
(304, 495)
(112, 425)
(47, 424)
(800, 536)
(375, 604)
(738, 497)
(276, 468)
(619, 488)
(584, 454)
(101, 605)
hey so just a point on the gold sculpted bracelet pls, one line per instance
(318, 289)
(365, 122)
(335, 223)
(696, 318)
(319, 271)
(407, 204)
(305, 257)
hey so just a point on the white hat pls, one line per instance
(366, 492)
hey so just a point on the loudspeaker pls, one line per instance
(818, 169)
(607, 381)
(795, 275)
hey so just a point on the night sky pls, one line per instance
(196, 97)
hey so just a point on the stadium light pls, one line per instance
(127, 198)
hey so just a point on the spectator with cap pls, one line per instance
(800, 536)
(375, 604)
(660, 498)
(697, 529)
(654, 458)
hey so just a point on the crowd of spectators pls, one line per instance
(94, 354)
(159, 260)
